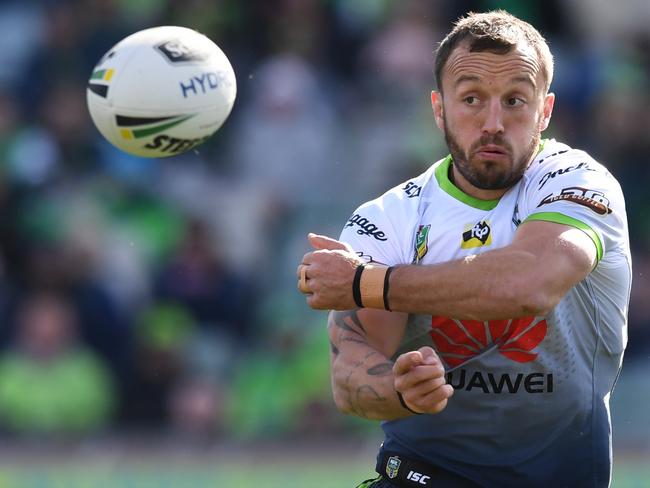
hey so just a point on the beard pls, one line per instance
(486, 174)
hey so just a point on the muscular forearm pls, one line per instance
(362, 377)
(461, 289)
(527, 278)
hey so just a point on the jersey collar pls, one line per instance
(442, 175)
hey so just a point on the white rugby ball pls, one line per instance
(161, 91)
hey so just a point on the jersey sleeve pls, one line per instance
(575, 190)
(378, 230)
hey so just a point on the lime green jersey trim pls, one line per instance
(559, 218)
(542, 143)
(369, 483)
(442, 175)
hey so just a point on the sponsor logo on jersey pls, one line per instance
(421, 242)
(559, 172)
(476, 235)
(419, 478)
(457, 341)
(139, 127)
(412, 190)
(176, 52)
(366, 228)
(593, 199)
(460, 379)
(392, 466)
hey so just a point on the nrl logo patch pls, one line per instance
(421, 242)
(392, 466)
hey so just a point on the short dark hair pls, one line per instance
(497, 32)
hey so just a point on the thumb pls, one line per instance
(407, 361)
(323, 242)
(429, 356)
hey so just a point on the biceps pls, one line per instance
(564, 255)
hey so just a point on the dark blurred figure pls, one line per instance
(49, 382)
(100, 323)
(196, 277)
(161, 336)
(199, 318)
(76, 34)
(196, 408)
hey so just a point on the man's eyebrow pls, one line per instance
(524, 79)
(465, 78)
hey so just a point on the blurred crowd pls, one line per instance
(159, 295)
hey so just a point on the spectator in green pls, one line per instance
(49, 382)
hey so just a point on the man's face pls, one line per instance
(492, 113)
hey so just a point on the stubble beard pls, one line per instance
(486, 174)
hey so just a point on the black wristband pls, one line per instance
(356, 285)
(401, 400)
(386, 287)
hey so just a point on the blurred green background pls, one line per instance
(151, 332)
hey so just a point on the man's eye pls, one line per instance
(471, 100)
(515, 102)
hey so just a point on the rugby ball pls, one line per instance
(161, 91)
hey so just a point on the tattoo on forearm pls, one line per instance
(365, 398)
(382, 369)
(352, 339)
(369, 390)
(349, 327)
(357, 373)
(348, 320)
(354, 317)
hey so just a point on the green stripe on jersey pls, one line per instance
(442, 175)
(559, 218)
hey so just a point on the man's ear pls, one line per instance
(438, 113)
(549, 102)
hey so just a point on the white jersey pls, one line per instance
(531, 406)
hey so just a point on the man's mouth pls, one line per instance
(491, 150)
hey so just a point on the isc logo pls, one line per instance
(418, 477)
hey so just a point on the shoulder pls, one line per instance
(558, 163)
(381, 228)
(406, 195)
(568, 186)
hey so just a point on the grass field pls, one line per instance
(284, 465)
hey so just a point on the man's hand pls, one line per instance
(325, 275)
(420, 378)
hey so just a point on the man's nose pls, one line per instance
(493, 122)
